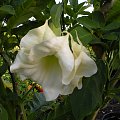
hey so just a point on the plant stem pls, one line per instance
(28, 92)
(62, 19)
(95, 114)
(7, 60)
(23, 111)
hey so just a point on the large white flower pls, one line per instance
(46, 59)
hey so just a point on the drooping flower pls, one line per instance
(46, 59)
(84, 65)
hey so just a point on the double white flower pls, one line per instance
(48, 60)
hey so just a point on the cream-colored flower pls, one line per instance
(46, 59)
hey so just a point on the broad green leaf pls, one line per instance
(8, 9)
(94, 21)
(86, 100)
(56, 12)
(56, 30)
(62, 111)
(88, 23)
(3, 113)
(112, 26)
(84, 35)
(98, 17)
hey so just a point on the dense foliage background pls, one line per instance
(99, 31)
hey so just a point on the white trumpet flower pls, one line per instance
(48, 60)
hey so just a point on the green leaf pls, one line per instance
(94, 21)
(56, 30)
(2, 89)
(23, 13)
(119, 50)
(8, 9)
(110, 36)
(3, 113)
(3, 68)
(98, 17)
(80, 7)
(56, 12)
(88, 23)
(43, 3)
(84, 35)
(112, 26)
(62, 111)
(69, 11)
(115, 62)
(86, 100)
(74, 3)
(38, 101)
(114, 12)
(80, 11)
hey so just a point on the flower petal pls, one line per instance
(68, 89)
(23, 66)
(66, 61)
(36, 36)
(58, 46)
(87, 66)
(52, 79)
(79, 86)
(47, 73)
(47, 63)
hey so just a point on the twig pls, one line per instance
(7, 60)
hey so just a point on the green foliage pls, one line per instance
(62, 110)
(56, 12)
(3, 68)
(98, 30)
(3, 113)
(38, 101)
(7, 9)
(84, 35)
